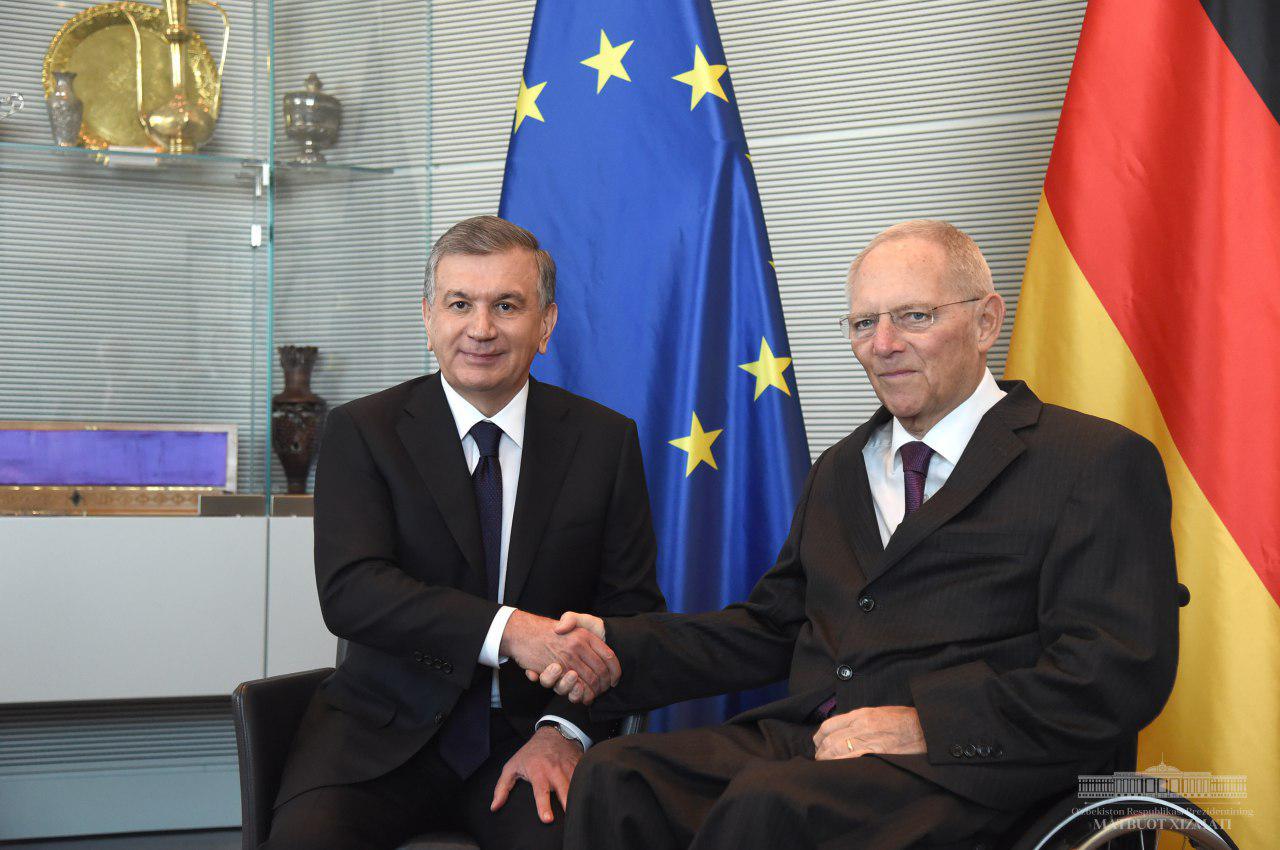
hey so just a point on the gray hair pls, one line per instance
(967, 272)
(488, 234)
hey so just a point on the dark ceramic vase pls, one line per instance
(296, 415)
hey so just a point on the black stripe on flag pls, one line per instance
(1251, 29)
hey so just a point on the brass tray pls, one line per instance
(98, 45)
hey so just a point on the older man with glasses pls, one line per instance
(975, 605)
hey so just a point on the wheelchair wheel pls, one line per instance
(1127, 823)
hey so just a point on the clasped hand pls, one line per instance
(570, 655)
(887, 729)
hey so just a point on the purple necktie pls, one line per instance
(915, 466)
(464, 739)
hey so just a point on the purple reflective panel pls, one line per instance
(120, 458)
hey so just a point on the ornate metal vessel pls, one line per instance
(296, 415)
(124, 59)
(65, 110)
(185, 121)
(312, 118)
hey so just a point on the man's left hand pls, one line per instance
(546, 762)
(889, 729)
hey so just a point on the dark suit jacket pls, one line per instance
(1027, 610)
(400, 566)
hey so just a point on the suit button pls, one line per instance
(997, 751)
(447, 667)
(439, 718)
(957, 751)
(844, 672)
(970, 752)
(866, 603)
(983, 752)
(419, 657)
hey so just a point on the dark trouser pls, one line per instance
(757, 786)
(420, 795)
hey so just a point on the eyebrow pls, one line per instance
(909, 306)
(510, 295)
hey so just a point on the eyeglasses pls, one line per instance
(910, 319)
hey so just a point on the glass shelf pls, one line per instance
(290, 173)
(192, 168)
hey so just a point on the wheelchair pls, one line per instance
(1127, 821)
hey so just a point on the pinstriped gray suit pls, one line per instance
(1027, 611)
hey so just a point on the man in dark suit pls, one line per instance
(455, 516)
(975, 604)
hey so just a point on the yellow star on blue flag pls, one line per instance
(608, 62)
(698, 446)
(768, 370)
(703, 79)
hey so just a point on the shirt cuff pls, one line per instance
(489, 656)
(572, 730)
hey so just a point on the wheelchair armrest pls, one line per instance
(266, 714)
(633, 724)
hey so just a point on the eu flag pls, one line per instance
(628, 161)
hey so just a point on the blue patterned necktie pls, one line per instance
(464, 740)
(487, 479)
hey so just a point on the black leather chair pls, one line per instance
(267, 713)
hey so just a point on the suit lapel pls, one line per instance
(549, 440)
(857, 511)
(993, 447)
(427, 429)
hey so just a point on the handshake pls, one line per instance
(569, 655)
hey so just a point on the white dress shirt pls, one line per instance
(510, 450)
(948, 439)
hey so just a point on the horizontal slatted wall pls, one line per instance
(862, 114)
(477, 54)
(349, 256)
(859, 114)
(132, 295)
(116, 766)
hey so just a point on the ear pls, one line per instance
(426, 321)
(549, 317)
(990, 321)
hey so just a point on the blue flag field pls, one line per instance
(628, 161)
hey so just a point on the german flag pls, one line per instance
(1152, 297)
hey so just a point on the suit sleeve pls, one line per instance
(668, 658)
(364, 595)
(628, 576)
(1108, 623)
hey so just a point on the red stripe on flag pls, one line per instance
(1165, 182)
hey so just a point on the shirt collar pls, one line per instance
(510, 418)
(952, 433)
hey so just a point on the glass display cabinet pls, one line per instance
(152, 265)
(149, 286)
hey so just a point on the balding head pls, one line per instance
(966, 273)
